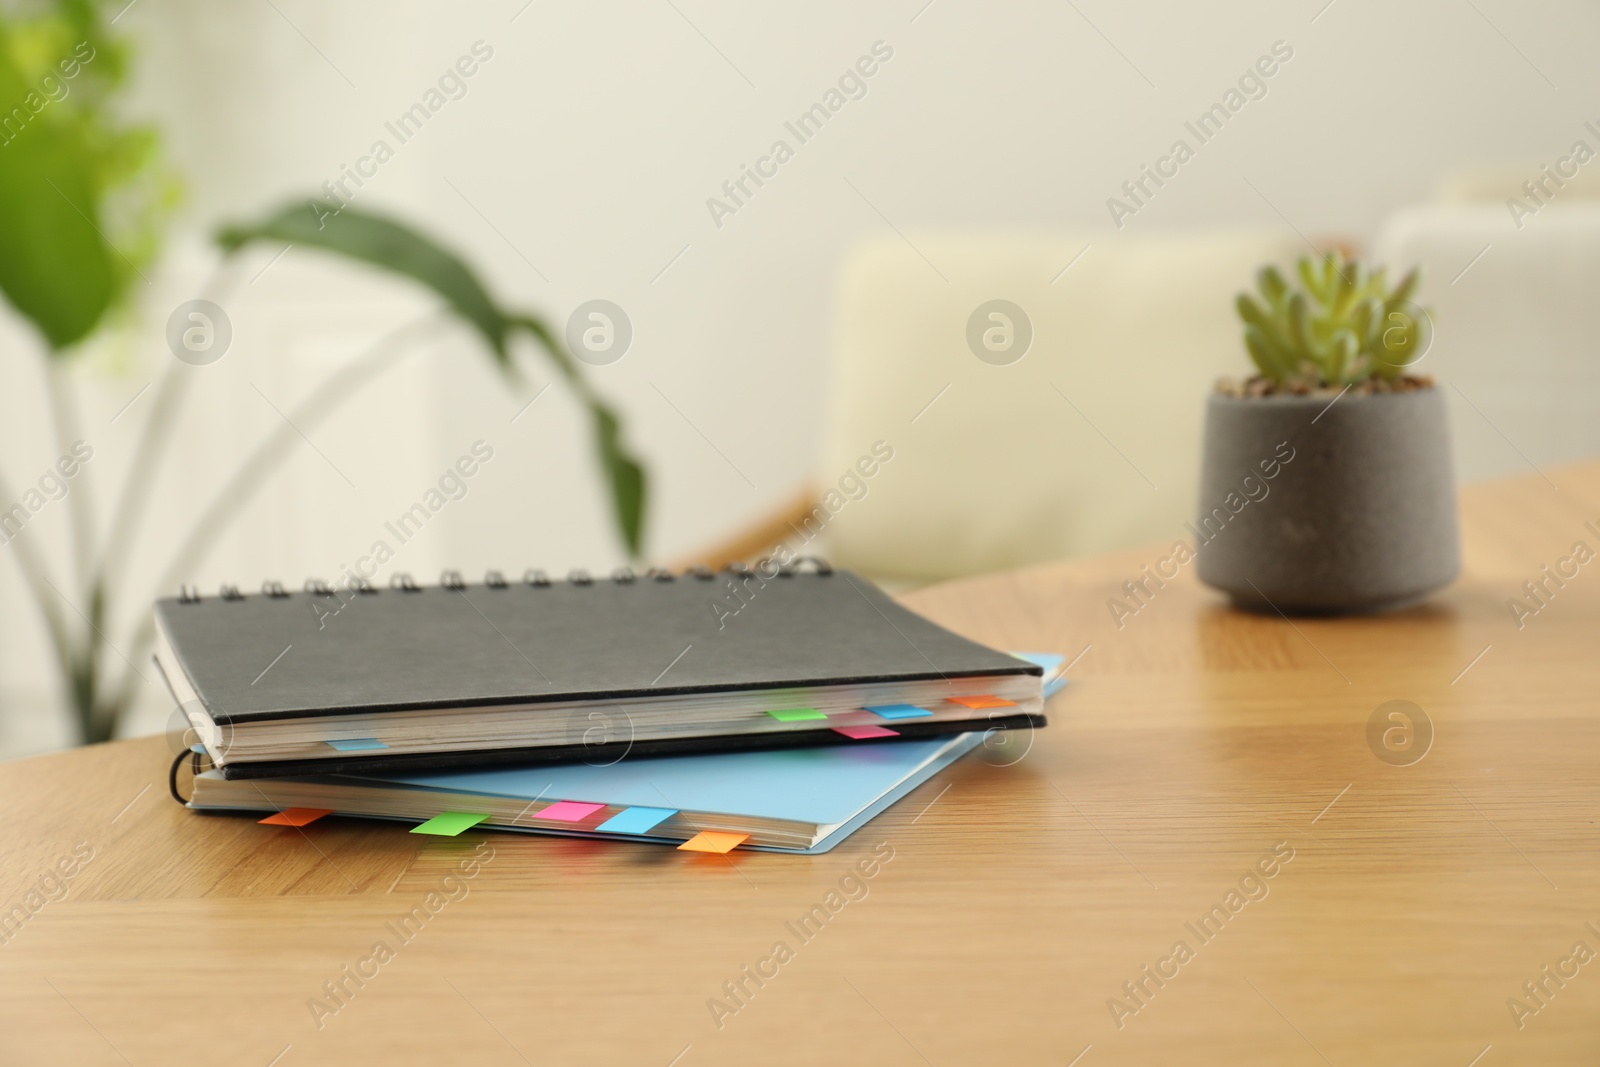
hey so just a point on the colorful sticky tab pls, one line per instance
(449, 823)
(358, 744)
(985, 701)
(861, 733)
(568, 811)
(900, 711)
(713, 841)
(797, 714)
(636, 820)
(1050, 661)
(295, 817)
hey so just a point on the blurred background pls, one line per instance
(783, 330)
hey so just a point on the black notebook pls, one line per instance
(328, 681)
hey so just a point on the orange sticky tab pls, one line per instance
(713, 841)
(295, 817)
(983, 702)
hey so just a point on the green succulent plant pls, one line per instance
(1344, 326)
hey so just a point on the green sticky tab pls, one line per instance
(449, 823)
(797, 714)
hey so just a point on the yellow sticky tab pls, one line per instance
(713, 841)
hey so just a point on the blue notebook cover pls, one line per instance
(838, 785)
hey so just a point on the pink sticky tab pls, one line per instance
(568, 811)
(861, 733)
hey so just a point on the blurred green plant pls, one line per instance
(1345, 326)
(83, 199)
(82, 192)
(390, 245)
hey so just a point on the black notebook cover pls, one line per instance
(303, 655)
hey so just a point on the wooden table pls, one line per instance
(1021, 895)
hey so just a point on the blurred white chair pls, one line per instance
(1515, 320)
(1089, 442)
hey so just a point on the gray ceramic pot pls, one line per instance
(1315, 509)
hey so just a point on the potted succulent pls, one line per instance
(1326, 481)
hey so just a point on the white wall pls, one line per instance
(588, 146)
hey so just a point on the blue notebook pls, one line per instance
(785, 800)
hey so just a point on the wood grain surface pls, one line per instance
(1008, 901)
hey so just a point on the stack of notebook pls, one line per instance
(711, 710)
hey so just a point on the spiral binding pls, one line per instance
(452, 580)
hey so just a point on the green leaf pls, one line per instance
(1351, 282)
(629, 487)
(394, 246)
(389, 245)
(1249, 310)
(1366, 319)
(553, 347)
(1310, 278)
(1268, 360)
(1341, 354)
(1405, 335)
(1299, 324)
(55, 268)
(1273, 331)
(625, 475)
(1273, 286)
(1404, 289)
(1331, 274)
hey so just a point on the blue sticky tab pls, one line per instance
(636, 820)
(1055, 685)
(358, 744)
(900, 711)
(1050, 661)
